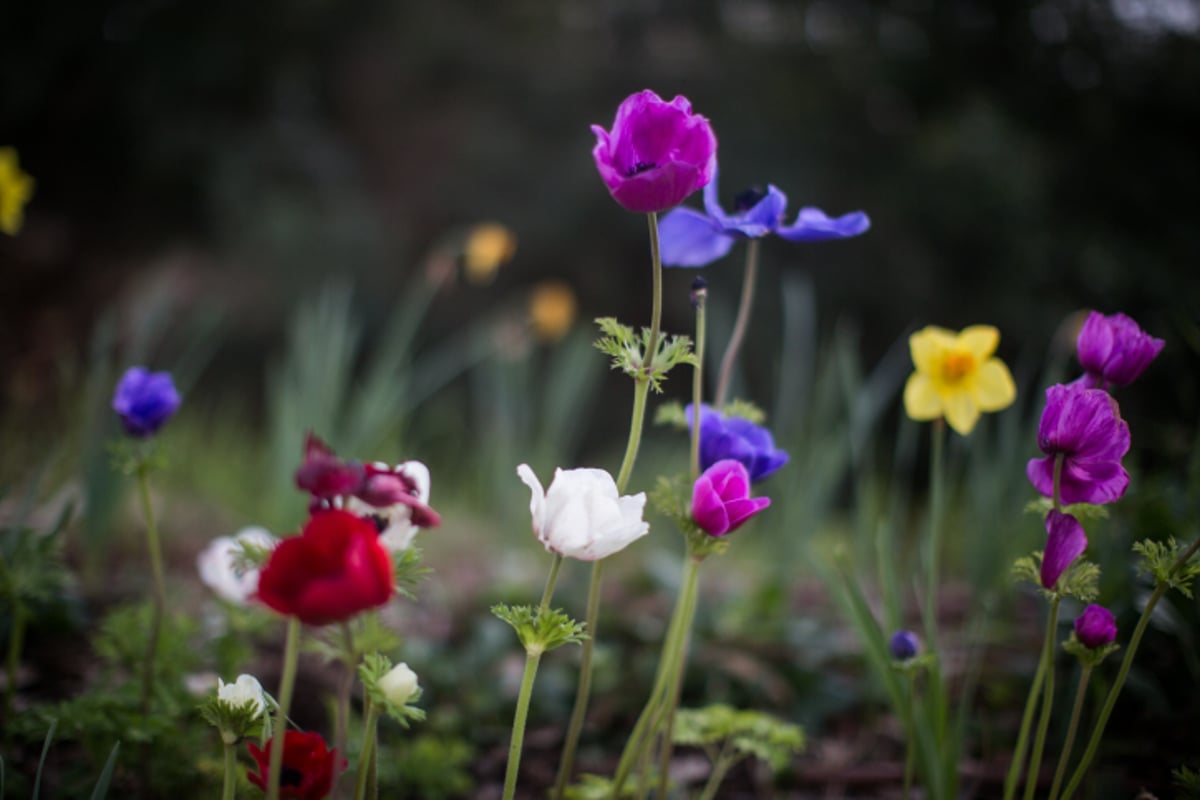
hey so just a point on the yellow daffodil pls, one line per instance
(552, 310)
(487, 246)
(957, 376)
(15, 190)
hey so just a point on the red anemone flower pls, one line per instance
(308, 767)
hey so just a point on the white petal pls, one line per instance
(418, 473)
(537, 499)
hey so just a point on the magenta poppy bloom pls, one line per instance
(656, 154)
(144, 401)
(721, 499)
(692, 239)
(1065, 542)
(1114, 350)
(1095, 627)
(1084, 425)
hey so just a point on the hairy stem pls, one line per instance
(740, 325)
(160, 590)
(1039, 743)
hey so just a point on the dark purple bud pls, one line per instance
(1065, 542)
(145, 400)
(904, 645)
(699, 291)
(1095, 627)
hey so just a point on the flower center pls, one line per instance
(639, 167)
(291, 777)
(744, 201)
(956, 366)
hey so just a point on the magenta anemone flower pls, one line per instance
(721, 499)
(656, 154)
(1095, 627)
(1065, 542)
(144, 401)
(1085, 426)
(692, 239)
(1114, 350)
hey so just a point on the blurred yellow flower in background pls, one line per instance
(487, 246)
(957, 376)
(552, 310)
(16, 188)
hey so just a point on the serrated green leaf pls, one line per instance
(671, 414)
(746, 410)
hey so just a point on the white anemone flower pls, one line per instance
(582, 516)
(399, 684)
(215, 565)
(246, 690)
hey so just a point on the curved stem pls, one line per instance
(698, 383)
(1014, 769)
(679, 667)
(230, 785)
(721, 768)
(160, 591)
(739, 326)
(1048, 653)
(291, 657)
(1076, 713)
(567, 761)
(365, 783)
(551, 580)
(656, 303)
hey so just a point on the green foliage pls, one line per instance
(237, 722)
(628, 351)
(409, 572)
(1161, 561)
(541, 631)
(672, 497)
(1081, 580)
(1087, 656)
(132, 457)
(672, 414)
(32, 572)
(736, 734)
(1187, 781)
(598, 787)
(435, 767)
(347, 642)
(1080, 511)
(371, 671)
(744, 409)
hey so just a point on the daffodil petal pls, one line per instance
(961, 411)
(979, 340)
(921, 400)
(928, 346)
(992, 388)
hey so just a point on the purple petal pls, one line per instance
(740, 511)
(813, 225)
(1095, 627)
(1040, 472)
(688, 238)
(1066, 542)
(711, 203)
(708, 510)
(730, 478)
(761, 218)
(1094, 343)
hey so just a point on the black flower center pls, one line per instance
(748, 199)
(639, 168)
(291, 777)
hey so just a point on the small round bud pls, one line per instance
(904, 645)
(1095, 627)
(699, 291)
(399, 684)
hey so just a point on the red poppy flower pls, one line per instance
(307, 766)
(330, 572)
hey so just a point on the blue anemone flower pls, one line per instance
(691, 239)
(145, 400)
(723, 437)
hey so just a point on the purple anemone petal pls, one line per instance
(721, 498)
(690, 239)
(759, 219)
(813, 225)
(1114, 349)
(738, 439)
(1065, 542)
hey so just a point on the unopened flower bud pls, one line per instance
(699, 291)
(399, 684)
(1096, 627)
(904, 645)
(246, 690)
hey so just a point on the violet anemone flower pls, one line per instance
(904, 645)
(692, 239)
(723, 437)
(1114, 350)
(721, 499)
(1095, 627)
(1065, 542)
(1085, 426)
(144, 401)
(656, 154)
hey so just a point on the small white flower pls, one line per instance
(399, 684)
(215, 565)
(246, 690)
(582, 516)
(397, 532)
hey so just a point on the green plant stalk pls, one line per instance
(1039, 743)
(910, 737)
(698, 383)
(16, 639)
(1111, 700)
(739, 326)
(1076, 713)
(1014, 769)
(366, 779)
(160, 591)
(678, 667)
(345, 689)
(721, 766)
(641, 390)
(533, 655)
(287, 684)
(937, 687)
(230, 786)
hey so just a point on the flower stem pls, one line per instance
(160, 591)
(567, 762)
(721, 766)
(1039, 743)
(230, 786)
(366, 781)
(1076, 712)
(1014, 769)
(699, 299)
(291, 656)
(16, 638)
(1111, 700)
(739, 326)
(345, 689)
(937, 504)
(910, 736)
(678, 666)
(656, 302)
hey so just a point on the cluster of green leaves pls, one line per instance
(238, 722)
(1080, 511)
(541, 630)
(32, 573)
(1088, 657)
(434, 767)
(672, 497)
(1187, 781)
(372, 670)
(1160, 560)
(733, 734)
(1081, 580)
(628, 351)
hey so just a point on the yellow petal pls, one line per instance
(980, 341)
(992, 387)
(927, 346)
(921, 400)
(961, 411)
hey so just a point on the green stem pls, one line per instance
(657, 291)
(575, 728)
(1111, 700)
(551, 580)
(699, 298)
(366, 781)
(1014, 769)
(1076, 713)
(345, 689)
(1048, 652)
(230, 786)
(937, 687)
(739, 326)
(160, 591)
(291, 657)
(721, 768)
(16, 638)
(910, 736)
(532, 657)
(679, 667)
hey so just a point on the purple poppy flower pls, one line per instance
(721, 499)
(904, 645)
(1114, 350)
(1084, 425)
(1095, 627)
(1065, 542)
(692, 239)
(724, 437)
(145, 401)
(656, 154)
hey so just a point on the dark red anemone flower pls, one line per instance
(308, 767)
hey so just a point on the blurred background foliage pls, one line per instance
(274, 201)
